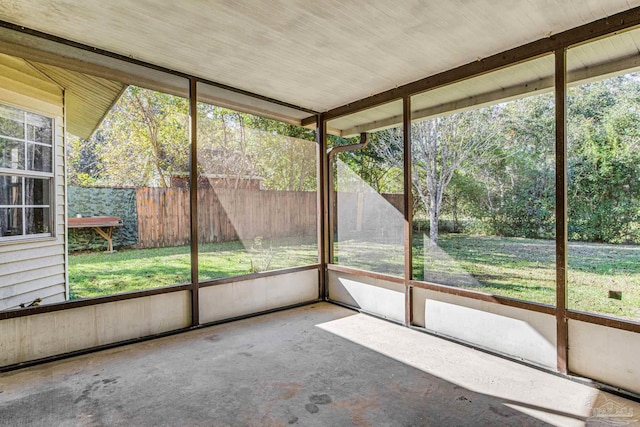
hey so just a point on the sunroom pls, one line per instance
(465, 174)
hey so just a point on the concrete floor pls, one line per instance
(319, 365)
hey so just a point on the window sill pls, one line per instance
(25, 240)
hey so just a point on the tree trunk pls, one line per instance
(434, 216)
(454, 214)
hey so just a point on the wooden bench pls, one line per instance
(103, 225)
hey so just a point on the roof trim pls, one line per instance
(115, 101)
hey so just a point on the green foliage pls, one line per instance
(235, 146)
(604, 162)
(492, 169)
(520, 182)
(462, 200)
(379, 164)
(83, 163)
(144, 141)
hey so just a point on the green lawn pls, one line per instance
(512, 267)
(384, 258)
(518, 268)
(525, 269)
(97, 273)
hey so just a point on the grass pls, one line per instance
(525, 269)
(512, 267)
(385, 258)
(96, 274)
(518, 268)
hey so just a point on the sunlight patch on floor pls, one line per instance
(550, 398)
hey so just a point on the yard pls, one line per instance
(512, 267)
(96, 273)
(525, 269)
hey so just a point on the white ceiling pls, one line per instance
(314, 54)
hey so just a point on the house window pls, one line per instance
(26, 174)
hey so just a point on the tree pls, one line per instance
(226, 149)
(287, 163)
(497, 164)
(379, 164)
(604, 161)
(520, 181)
(83, 163)
(236, 146)
(142, 141)
(287, 154)
(439, 147)
(463, 198)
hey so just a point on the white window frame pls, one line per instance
(23, 174)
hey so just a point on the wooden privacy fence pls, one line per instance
(223, 215)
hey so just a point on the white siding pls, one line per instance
(31, 269)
